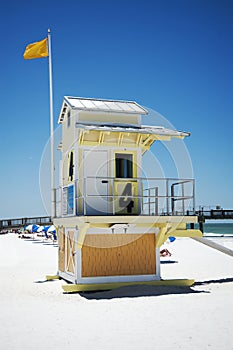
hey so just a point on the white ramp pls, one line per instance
(214, 245)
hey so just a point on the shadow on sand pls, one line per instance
(137, 291)
(221, 280)
(162, 262)
(43, 241)
(150, 291)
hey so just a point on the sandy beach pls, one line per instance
(36, 313)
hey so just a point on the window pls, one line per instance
(68, 119)
(68, 200)
(71, 166)
(124, 165)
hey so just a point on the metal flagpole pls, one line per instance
(53, 204)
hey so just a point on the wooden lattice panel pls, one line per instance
(70, 249)
(61, 249)
(118, 254)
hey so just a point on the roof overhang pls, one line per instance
(128, 137)
(152, 130)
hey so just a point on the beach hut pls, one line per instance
(111, 221)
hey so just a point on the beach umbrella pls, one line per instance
(28, 227)
(45, 229)
(35, 228)
(52, 229)
(40, 229)
(31, 228)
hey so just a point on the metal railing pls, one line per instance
(126, 196)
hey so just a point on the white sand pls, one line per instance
(36, 315)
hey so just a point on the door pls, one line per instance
(95, 182)
(125, 185)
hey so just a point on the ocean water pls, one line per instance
(221, 233)
(218, 228)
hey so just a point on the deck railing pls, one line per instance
(126, 196)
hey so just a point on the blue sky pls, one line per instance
(173, 56)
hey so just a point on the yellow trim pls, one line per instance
(51, 278)
(76, 288)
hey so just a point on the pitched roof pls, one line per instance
(99, 105)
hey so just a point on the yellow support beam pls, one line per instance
(82, 233)
(101, 137)
(161, 238)
(120, 138)
(186, 233)
(139, 139)
(171, 229)
(82, 135)
(76, 288)
(148, 136)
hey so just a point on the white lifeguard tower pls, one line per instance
(110, 220)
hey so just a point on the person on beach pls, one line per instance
(165, 252)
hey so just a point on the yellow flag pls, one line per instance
(36, 50)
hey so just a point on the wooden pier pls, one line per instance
(14, 224)
(213, 214)
(203, 215)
